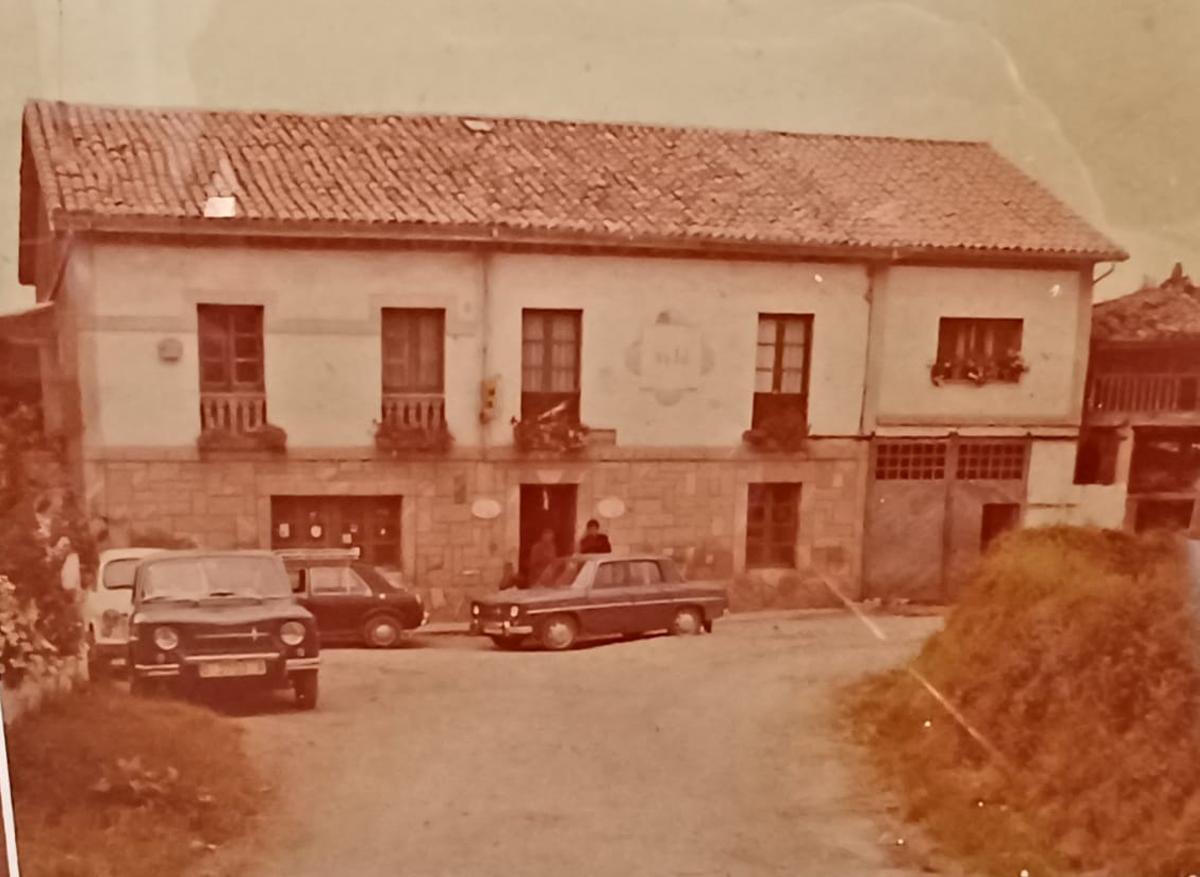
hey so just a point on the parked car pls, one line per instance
(107, 606)
(352, 601)
(599, 595)
(207, 617)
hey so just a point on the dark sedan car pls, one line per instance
(208, 617)
(352, 601)
(599, 595)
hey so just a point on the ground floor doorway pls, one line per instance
(369, 523)
(547, 507)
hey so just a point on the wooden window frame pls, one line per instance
(911, 459)
(775, 402)
(775, 546)
(208, 316)
(400, 341)
(983, 341)
(992, 460)
(536, 402)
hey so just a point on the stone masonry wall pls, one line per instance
(693, 509)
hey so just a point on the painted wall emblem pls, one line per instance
(670, 357)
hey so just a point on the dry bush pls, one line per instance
(109, 785)
(1074, 652)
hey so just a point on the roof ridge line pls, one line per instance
(541, 120)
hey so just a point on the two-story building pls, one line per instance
(436, 337)
(1140, 448)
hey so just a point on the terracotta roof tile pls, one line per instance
(601, 182)
(1167, 312)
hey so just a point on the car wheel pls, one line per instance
(508, 643)
(305, 686)
(382, 632)
(687, 622)
(558, 632)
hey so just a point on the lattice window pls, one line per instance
(991, 461)
(910, 461)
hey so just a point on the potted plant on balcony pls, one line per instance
(1011, 366)
(265, 437)
(786, 431)
(397, 439)
(554, 431)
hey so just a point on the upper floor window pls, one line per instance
(232, 384)
(414, 366)
(781, 366)
(979, 350)
(413, 350)
(231, 348)
(550, 346)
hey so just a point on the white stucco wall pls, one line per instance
(321, 328)
(323, 347)
(708, 400)
(910, 301)
(1054, 498)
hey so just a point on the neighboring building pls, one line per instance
(1141, 442)
(698, 298)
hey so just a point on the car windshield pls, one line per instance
(560, 574)
(119, 573)
(197, 578)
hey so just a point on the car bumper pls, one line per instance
(278, 667)
(500, 628)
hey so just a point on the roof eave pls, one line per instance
(416, 233)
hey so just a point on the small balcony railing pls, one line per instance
(233, 412)
(416, 411)
(1143, 393)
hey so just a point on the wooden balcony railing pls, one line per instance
(1143, 393)
(233, 412)
(414, 410)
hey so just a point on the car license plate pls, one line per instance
(492, 627)
(223, 669)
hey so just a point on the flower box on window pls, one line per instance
(1007, 369)
(266, 437)
(553, 432)
(397, 439)
(785, 432)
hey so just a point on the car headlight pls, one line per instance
(166, 638)
(514, 611)
(292, 633)
(474, 608)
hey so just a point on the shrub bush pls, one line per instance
(1074, 652)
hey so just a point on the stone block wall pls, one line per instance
(693, 509)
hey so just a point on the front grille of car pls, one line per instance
(493, 612)
(214, 639)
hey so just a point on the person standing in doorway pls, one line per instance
(541, 555)
(593, 541)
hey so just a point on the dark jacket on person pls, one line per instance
(597, 544)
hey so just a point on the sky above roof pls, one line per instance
(1098, 107)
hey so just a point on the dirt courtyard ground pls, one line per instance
(696, 757)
